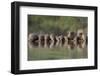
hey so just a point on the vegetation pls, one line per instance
(55, 24)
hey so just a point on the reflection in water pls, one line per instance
(51, 41)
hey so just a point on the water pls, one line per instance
(49, 47)
(57, 52)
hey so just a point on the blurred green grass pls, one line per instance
(55, 24)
